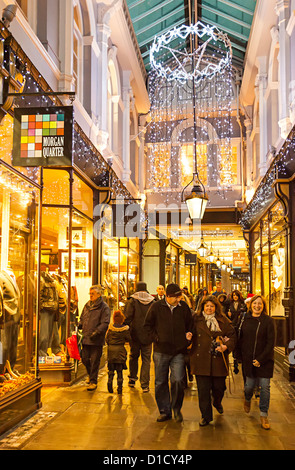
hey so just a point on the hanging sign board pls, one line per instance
(239, 259)
(43, 136)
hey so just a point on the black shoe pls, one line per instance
(204, 422)
(219, 408)
(131, 383)
(163, 417)
(178, 416)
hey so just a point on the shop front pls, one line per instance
(20, 384)
(268, 224)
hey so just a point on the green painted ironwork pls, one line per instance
(152, 18)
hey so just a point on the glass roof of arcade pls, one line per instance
(152, 18)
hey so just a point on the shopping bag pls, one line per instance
(72, 345)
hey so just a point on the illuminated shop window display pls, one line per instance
(66, 260)
(19, 203)
(120, 260)
(269, 270)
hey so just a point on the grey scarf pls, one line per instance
(211, 322)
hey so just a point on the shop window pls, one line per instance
(278, 254)
(68, 271)
(19, 203)
(82, 197)
(110, 271)
(56, 187)
(188, 164)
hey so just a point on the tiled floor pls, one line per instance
(73, 418)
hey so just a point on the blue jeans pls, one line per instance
(264, 384)
(165, 363)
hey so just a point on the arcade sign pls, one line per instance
(43, 136)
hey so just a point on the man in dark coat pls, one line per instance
(141, 344)
(94, 322)
(169, 322)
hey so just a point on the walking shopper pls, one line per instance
(256, 344)
(213, 339)
(141, 343)
(224, 302)
(116, 337)
(160, 293)
(94, 322)
(237, 307)
(169, 322)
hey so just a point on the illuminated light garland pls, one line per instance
(170, 138)
(183, 58)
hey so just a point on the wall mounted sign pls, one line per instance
(43, 136)
(190, 259)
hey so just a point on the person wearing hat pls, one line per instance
(94, 322)
(141, 344)
(169, 322)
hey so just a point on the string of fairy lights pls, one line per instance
(170, 136)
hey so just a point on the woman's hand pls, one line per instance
(221, 348)
(189, 336)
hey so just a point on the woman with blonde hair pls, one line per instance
(256, 345)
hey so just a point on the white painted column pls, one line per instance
(282, 10)
(249, 158)
(66, 34)
(261, 82)
(127, 93)
(103, 34)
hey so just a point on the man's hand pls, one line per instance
(189, 336)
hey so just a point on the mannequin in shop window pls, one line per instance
(59, 330)
(9, 321)
(49, 311)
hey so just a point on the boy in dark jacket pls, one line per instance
(117, 335)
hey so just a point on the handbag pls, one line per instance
(72, 345)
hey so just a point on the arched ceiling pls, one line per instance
(152, 18)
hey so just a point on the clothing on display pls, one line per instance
(10, 318)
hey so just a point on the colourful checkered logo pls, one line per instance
(36, 129)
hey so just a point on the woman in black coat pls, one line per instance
(256, 345)
(237, 307)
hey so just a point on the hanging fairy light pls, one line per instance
(163, 48)
(191, 125)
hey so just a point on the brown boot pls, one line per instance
(247, 406)
(264, 422)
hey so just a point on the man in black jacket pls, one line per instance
(170, 324)
(94, 322)
(141, 344)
